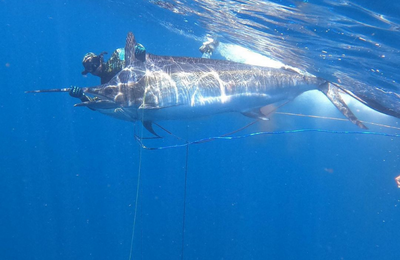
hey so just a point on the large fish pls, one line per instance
(173, 88)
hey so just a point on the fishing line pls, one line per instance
(337, 119)
(140, 140)
(168, 132)
(137, 193)
(230, 136)
(208, 139)
(184, 204)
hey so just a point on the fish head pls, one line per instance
(107, 96)
(126, 89)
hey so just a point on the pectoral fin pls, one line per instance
(264, 112)
(149, 127)
(332, 92)
(256, 114)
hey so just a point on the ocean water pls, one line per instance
(69, 176)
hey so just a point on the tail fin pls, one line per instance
(332, 92)
(372, 102)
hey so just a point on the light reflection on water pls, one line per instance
(341, 41)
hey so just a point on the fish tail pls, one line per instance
(331, 91)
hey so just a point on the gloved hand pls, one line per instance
(76, 92)
(140, 52)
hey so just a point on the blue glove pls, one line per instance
(140, 52)
(76, 92)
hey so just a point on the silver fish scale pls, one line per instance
(202, 87)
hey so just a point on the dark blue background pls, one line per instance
(68, 176)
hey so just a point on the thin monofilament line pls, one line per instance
(295, 131)
(184, 204)
(336, 118)
(230, 136)
(137, 195)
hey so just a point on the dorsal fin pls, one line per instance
(130, 49)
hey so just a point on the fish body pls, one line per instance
(173, 88)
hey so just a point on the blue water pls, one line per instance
(69, 175)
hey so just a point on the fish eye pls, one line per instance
(108, 90)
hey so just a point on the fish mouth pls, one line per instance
(105, 98)
(98, 104)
